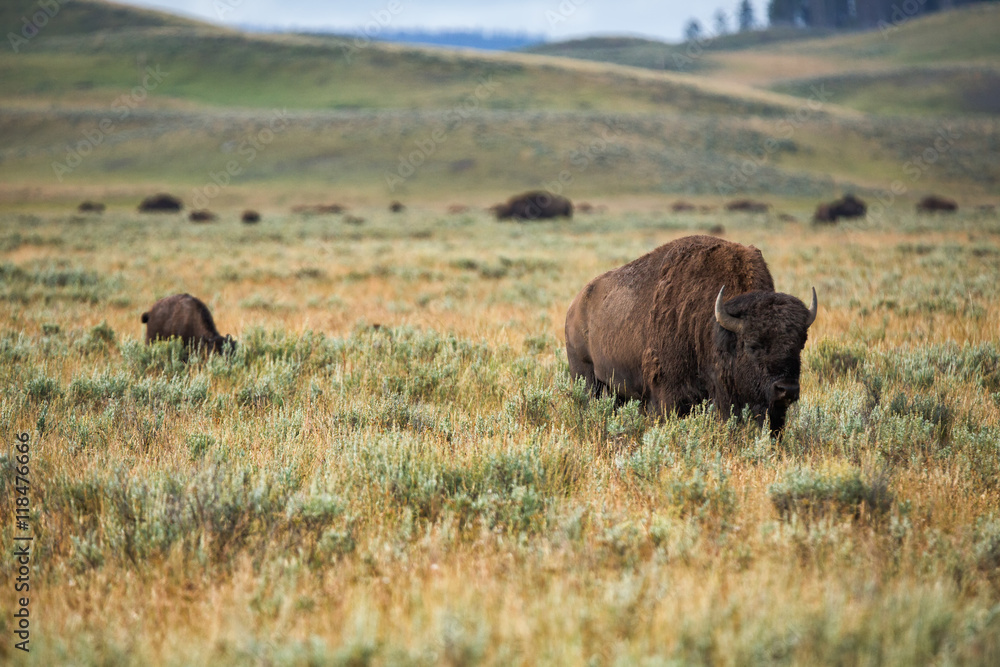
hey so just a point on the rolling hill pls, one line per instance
(947, 62)
(151, 100)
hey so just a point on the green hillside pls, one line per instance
(166, 102)
(896, 70)
(657, 55)
(80, 17)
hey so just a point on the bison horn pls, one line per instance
(725, 320)
(812, 310)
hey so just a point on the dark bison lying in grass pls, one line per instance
(250, 217)
(90, 207)
(187, 318)
(161, 203)
(534, 205)
(202, 215)
(937, 204)
(696, 319)
(748, 206)
(847, 206)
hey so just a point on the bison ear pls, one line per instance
(813, 309)
(725, 320)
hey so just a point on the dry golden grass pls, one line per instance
(436, 491)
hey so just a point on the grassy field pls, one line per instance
(393, 468)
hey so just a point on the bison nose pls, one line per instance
(785, 392)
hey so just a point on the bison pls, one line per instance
(250, 217)
(696, 319)
(202, 215)
(187, 318)
(848, 206)
(160, 203)
(90, 207)
(936, 203)
(397, 207)
(748, 206)
(534, 205)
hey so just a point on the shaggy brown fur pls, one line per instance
(648, 331)
(187, 318)
(534, 205)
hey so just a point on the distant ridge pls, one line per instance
(465, 39)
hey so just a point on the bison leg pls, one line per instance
(582, 366)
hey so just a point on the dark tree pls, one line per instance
(744, 16)
(721, 23)
(692, 31)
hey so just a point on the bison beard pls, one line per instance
(660, 330)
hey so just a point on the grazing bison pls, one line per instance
(187, 318)
(534, 205)
(397, 207)
(748, 206)
(250, 217)
(90, 207)
(202, 215)
(936, 203)
(161, 203)
(682, 207)
(319, 209)
(848, 206)
(696, 319)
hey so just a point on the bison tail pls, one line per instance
(145, 318)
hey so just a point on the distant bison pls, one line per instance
(161, 203)
(319, 209)
(696, 319)
(397, 207)
(534, 205)
(682, 207)
(748, 206)
(202, 215)
(848, 206)
(937, 203)
(250, 217)
(187, 318)
(90, 207)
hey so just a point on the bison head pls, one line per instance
(222, 344)
(759, 340)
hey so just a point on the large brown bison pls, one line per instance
(534, 205)
(187, 318)
(696, 319)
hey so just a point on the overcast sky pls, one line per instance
(557, 19)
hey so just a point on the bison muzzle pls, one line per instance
(696, 319)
